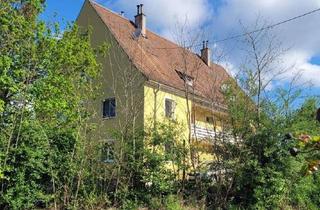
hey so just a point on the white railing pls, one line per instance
(209, 134)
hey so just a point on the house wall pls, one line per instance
(138, 104)
(119, 79)
(199, 115)
(154, 108)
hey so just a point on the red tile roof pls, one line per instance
(159, 59)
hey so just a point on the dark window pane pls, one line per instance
(209, 120)
(109, 108)
(105, 104)
(112, 107)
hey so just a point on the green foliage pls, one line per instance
(172, 203)
(304, 119)
(164, 157)
(261, 181)
(45, 76)
(149, 169)
(27, 168)
(47, 156)
(265, 174)
(155, 203)
(305, 192)
(130, 205)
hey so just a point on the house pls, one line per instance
(148, 79)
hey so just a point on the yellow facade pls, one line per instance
(154, 108)
(116, 80)
(139, 104)
(200, 117)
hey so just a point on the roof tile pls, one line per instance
(159, 59)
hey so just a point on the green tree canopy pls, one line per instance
(45, 79)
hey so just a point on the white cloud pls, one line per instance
(230, 68)
(310, 73)
(302, 36)
(163, 15)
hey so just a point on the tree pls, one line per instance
(190, 70)
(262, 64)
(263, 172)
(45, 78)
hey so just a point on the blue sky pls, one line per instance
(220, 19)
(62, 11)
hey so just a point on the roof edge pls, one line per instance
(91, 2)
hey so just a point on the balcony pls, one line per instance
(200, 132)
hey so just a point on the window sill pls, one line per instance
(108, 118)
(108, 161)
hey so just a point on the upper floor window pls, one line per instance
(189, 82)
(186, 78)
(170, 106)
(109, 108)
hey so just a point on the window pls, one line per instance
(209, 120)
(169, 108)
(168, 147)
(186, 78)
(189, 82)
(109, 108)
(107, 153)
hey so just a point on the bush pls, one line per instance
(155, 203)
(172, 202)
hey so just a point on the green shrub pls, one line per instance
(130, 205)
(155, 203)
(172, 202)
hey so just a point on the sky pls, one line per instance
(220, 19)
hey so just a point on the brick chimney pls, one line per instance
(140, 22)
(205, 53)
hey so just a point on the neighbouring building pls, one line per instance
(148, 79)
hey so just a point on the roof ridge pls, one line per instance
(109, 10)
(153, 32)
(166, 39)
(143, 50)
(159, 65)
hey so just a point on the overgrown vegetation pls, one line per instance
(48, 159)
(45, 77)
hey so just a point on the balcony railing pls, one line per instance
(209, 134)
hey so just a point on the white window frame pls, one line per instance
(173, 111)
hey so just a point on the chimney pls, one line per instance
(140, 21)
(205, 53)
